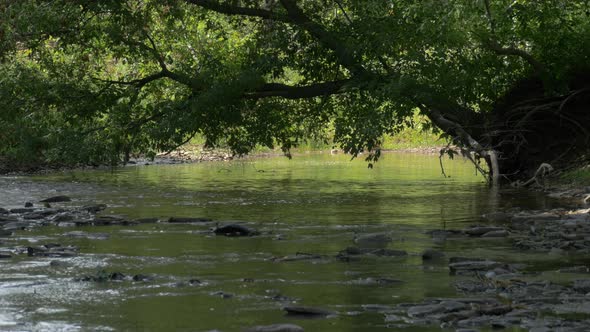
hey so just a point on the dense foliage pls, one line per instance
(96, 81)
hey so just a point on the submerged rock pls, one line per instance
(310, 312)
(582, 285)
(90, 236)
(235, 230)
(18, 225)
(498, 233)
(374, 240)
(300, 256)
(111, 220)
(56, 199)
(103, 276)
(377, 281)
(471, 265)
(432, 254)
(194, 282)
(275, 328)
(188, 220)
(574, 269)
(52, 250)
(481, 230)
(94, 208)
(222, 294)
(5, 218)
(497, 216)
(147, 220)
(142, 277)
(21, 210)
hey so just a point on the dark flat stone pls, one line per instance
(147, 220)
(432, 254)
(94, 208)
(481, 230)
(22, 210)
(235, 230)
(309, 312)
(188, 220)
(56, 199)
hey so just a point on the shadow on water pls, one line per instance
(314, 204)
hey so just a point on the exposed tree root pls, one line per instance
(543, 170)
(540, 131)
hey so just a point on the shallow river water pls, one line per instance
(311, 204)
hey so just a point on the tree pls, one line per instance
(504, 79)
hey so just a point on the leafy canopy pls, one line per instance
(95, 81)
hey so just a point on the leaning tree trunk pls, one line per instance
(465, 139)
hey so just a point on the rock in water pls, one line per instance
(497, 216)
(310, 312)
(21, 210)
(276, 328)
(375, 240)
(94, 208)
(188, 220)
(56, 199)
(500, 233)
(481, 230)
(432, 254)
(235, 230)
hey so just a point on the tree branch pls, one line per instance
(345, 56)
(228, 9)
(297, 92)
(457, 131)
(138, 82)
(490, 17)
(498, 49)
(294, 16)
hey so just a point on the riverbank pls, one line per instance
(186, 155)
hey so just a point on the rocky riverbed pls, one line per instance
(489, 293)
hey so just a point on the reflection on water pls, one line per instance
(313, 204)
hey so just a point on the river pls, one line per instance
(198, 281)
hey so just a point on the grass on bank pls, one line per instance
(419, 136)
(577, 177)
(405, 140)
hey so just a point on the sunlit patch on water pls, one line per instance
(60, 326)
(45, 310)
(8, 320)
